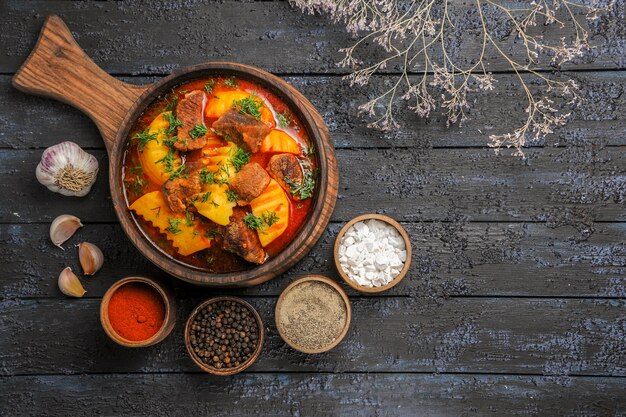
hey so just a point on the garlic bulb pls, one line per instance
(63, 228)
(91, 258)
(69, 284)
(66, 169)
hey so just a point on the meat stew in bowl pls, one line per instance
(219, 174)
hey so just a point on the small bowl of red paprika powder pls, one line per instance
(137, 312)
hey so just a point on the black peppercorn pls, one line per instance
(224, 334)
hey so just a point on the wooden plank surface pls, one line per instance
(497, 335)
(174, 35)
(449, 259)
(600, 120)
(355, 395)
(515, 302)
(408, 184)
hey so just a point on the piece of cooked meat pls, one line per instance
(285, 165)
(241, 240)
(190, 111)
(250, 182)
(178, 191)
(243, 129)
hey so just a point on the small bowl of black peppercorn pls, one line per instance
(224, 335)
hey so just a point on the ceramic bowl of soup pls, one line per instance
(220, 174)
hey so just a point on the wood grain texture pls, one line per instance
(354, 395)
(59, 69)
(518, 279)
(575, 186)
(449, 259)
(555, 337)
(290, 41)
(600, 119)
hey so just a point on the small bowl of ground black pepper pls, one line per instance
(313, 314)
(224, 335)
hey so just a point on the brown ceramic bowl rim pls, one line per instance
(288, 256)
(104, 314)
(228, 371)
(403, 271)
(336, 287)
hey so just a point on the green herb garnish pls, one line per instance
(253, 222)
(208, 87)
(157, 209)
(239, 159)
(206, 176)
(137, 185)
(174, 123)
(230, 82)
(143, 138)
(249, 105)
(284, 119)
(174, 223)
(212, 234)
(168, 161)
(259, 223)
(270, 218)
(197, 131)
(171, 104)
(169, 142)
(188, 219)
(179, 172)
(232, 196)
(214, 204)
(305, 190)
(225, 174)
(205, 197)
(195, 233)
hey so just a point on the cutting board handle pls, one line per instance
(58, 68)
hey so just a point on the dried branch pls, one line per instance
(417, 34)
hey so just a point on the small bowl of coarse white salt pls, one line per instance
(372, 253)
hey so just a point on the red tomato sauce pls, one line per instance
(216, 259)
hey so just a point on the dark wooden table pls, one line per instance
(515, 304)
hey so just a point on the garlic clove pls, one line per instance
(63, 228)
(66, 169)
(91, 258)
(69, 284)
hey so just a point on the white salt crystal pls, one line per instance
(372, 253)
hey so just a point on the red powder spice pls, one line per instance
(136, 311)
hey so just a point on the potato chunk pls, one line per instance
(185, 234)
(214, 204)
(272, 203)
(156, 158)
